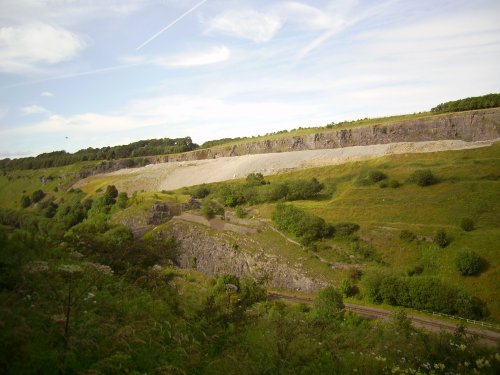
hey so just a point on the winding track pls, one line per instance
(486, 337)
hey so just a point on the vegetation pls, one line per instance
(422, 293)
(148, 147)
(441, 238)
(469, 262)
(423, 177)
(467, 224)
(407, 235)
(210, 209)
(467, 104)
(303, 225)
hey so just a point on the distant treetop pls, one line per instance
(468, 104)
(147, 147)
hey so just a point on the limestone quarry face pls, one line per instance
(470, 126)
(218, 253)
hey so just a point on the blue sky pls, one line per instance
(91, 73)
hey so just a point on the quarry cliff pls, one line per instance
(471, 126)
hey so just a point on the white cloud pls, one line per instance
(24, 48)
(34, 110)
(65, 12)
(47, 94)
(246, 24)
(211, 56)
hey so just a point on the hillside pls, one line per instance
(143, 267)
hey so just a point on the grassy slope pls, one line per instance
(469, 187)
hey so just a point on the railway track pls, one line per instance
(486, 337)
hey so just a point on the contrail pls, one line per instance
(171, 24)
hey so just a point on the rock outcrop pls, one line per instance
(480, 125)
(216, 253)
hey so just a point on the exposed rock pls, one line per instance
(162, 212)
(469, 126)
(218, 253)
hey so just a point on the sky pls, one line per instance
(93, 73)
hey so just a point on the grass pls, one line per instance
(468, 187)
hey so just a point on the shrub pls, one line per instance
(346, 229)
(200, 192)
(231, 196)
(383, 184)
(37, 196)
(327, 304)
(423, 177)
(303, 189)
(25, 201)
(255, 179)
(347, 288)
(394, 184)
(407, 236)
(110, 195)
(307, 227)
(240, 212)
(441, 238)
(469, 262)
(210, 208)
(467, 224)
(122, 200)
(370, 177)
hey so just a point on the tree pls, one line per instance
(25, 201)
(469, 262)
(467, 224)
(327, 304)
(110, 195)
(441, 239)
(37, 196)
(122, 200)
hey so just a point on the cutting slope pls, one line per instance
(174, 175)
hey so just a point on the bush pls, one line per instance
(200, 192)
(394, 184)
(231, 196)
(423, 177)
(307, 227)
(422, 293)
(37, 196)
(441, 238)
(407, 236)
(110, 195)
(25, 201)
(370, 177)
(122, 200)
(327, 304)
(467, 224)
(346, 229)
(347, 288)
(469, 262)
(210, 208)
(240, 212)
(303, 189)
(255, 179)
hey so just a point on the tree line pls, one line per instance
(468, 104)
(149, 147)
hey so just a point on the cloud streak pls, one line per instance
(171, 24)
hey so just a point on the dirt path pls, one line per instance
(486, 337)
(174, 175)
